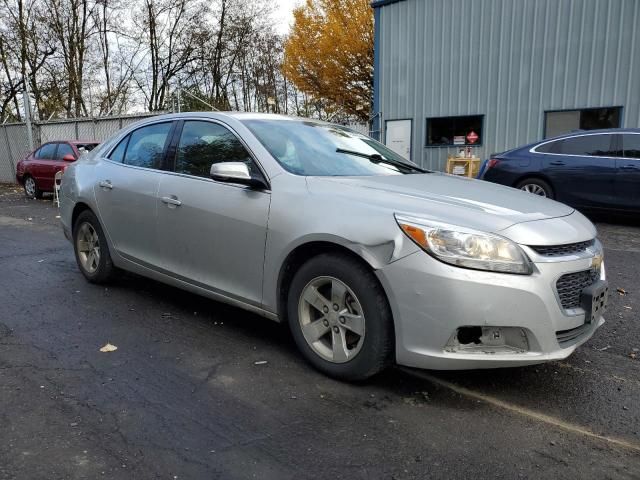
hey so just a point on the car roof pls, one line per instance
(240, 116)
(590, 132)
(569, 135)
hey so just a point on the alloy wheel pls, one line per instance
(88, 245)
(331, 319)
(30, 186)
(535, 189)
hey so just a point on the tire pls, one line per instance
(96, 267)
(363, 308)
(536, 186)
(31, 189)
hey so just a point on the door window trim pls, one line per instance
(535, 147)
(174, 147)
(127, 137)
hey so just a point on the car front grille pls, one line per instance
(566, 337)
(562, 250)
(570, 286)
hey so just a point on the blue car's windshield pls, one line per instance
(321, 149)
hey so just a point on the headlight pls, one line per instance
(465, 247)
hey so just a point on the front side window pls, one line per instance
(631, 145)
(46, 152)
(305, 147)
(204, 143)
(64, 149)
(447, 131)
(587, 145)
(146, 146)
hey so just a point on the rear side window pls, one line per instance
(588, 146)
(631, 146)
(146, 146)
(203, 144)
(551, 147)
(117, 155)
(46, 152)
(64, 149)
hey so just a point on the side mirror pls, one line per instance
(235, 172)
(69, 158)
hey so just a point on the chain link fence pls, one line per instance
(14, 143)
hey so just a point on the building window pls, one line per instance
(565, 121)
(450, 131)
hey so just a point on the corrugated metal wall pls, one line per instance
(509, 60)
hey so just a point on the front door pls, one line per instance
(628, 176)
(126, 192)
(582, 169)
(212, 233)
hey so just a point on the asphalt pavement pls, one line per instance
(197, 389)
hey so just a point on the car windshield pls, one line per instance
(322, 149)
(86, 147)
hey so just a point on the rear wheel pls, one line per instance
(340, 318)
(536, 186)
(31, 189)
(91, 249)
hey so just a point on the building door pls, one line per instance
(398, 137)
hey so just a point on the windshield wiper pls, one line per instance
(377, 158)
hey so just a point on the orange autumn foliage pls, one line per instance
(329, 54)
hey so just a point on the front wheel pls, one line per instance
(536, 186)
(340, 318)
(31, 189)
(91, 249)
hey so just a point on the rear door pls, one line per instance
(126, 191)
(628, 177)
(582, 169)
(213, 233)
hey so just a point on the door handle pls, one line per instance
(557, 162)
(106, 184)
(172, 201)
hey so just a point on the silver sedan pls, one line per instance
(368, 258)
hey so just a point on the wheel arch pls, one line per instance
(299, 255)
(77, 210)
(536, 175)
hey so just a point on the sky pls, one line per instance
(283, 14)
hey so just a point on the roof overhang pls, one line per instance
(382, 3)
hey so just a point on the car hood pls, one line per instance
(455, 200)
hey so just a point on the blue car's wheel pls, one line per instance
(536, 186)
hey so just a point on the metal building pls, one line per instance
(497, 74)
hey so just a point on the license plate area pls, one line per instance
(593, 300)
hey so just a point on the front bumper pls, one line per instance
(430, 300)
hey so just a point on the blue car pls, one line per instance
(589, 170)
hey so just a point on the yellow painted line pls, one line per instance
(541, 417)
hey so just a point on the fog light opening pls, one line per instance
(488, 340)
(468, 335)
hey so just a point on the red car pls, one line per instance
(36, 172)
